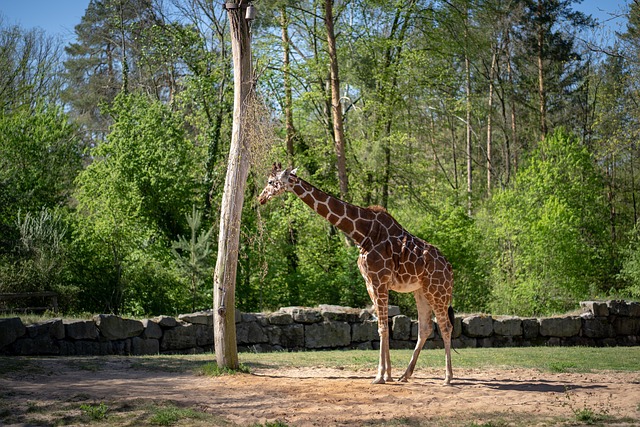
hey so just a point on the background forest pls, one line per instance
(503, 131)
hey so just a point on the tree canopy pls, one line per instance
(502, 132)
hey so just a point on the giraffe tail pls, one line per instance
(452, 318)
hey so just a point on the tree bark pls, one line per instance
(467, 69)
(541, 88)
(336, 105)
(490, 123)
(286, 75)
(233, 195)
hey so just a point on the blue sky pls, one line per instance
(61, 16)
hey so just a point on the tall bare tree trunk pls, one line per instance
(489, 123)
(467, 70)
(233, 196)
(541, 89)
(336, 105)
(286, 75)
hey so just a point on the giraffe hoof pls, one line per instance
(447, 382)
(403, 379)
(378, 381)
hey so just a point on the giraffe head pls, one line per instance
(279, 181)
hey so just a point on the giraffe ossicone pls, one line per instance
(391, 259)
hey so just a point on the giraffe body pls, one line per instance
(390, 259)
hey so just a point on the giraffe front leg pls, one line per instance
(384, 361)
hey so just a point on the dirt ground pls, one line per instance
(333, 397)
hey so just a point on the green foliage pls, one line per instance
(131, 201)
(170, 414)
(194, 257)
(548, 231)
(95, 412)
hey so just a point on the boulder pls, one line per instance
(303, 314)
(142, 346)
(507, 326)
(618, 308)
(10, 330)
(599, 309)
(151, 329)
(198, 318)
(626, 325)
(280, 318)
(165, 321)
(530, 328)
(116, 328)
(53, 328)
(327, 335)
(250, 333)
(181, 337)
(567, 326)
(339, 313)
(401, 328)
(366, 331)
(292, 336)
(597, 328)
(394, 310)
(204, 335)
(80, 329)
(477, 326)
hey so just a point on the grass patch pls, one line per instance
(546, 359)
(212, 369)
(95, 412)
(170, 415)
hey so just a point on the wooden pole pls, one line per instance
(233, 196)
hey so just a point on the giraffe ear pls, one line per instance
(294, 171)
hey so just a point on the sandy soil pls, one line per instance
(328, 397)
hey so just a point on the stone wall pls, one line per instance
(325, 327)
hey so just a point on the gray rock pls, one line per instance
(303, 314)
(530, 328)
(151, 329)
(250, 333)
(634, 309)
(619, 308)
(366, 331)
(327, 335)
(394, 310)
(116, 328)
(364, 316)
(41, 345)
(53, 328)
(626, 325)
(597, 328)
(507, 326)
(280, 318)
(477, 326)
(292, 336)
(599, 309)
(165, 321)
(401, 328)
(181, 337)
(339, 313)
(80, 329)
(204, 335)
(567, 326)
(198, 318)
(142, 346)
(10, 330)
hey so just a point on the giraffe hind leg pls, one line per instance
(425, 327)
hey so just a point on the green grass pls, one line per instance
(547, 359)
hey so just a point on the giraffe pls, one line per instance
(390, 259)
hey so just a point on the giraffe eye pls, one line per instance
(270, 182)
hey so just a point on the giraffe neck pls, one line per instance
(352, 220)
